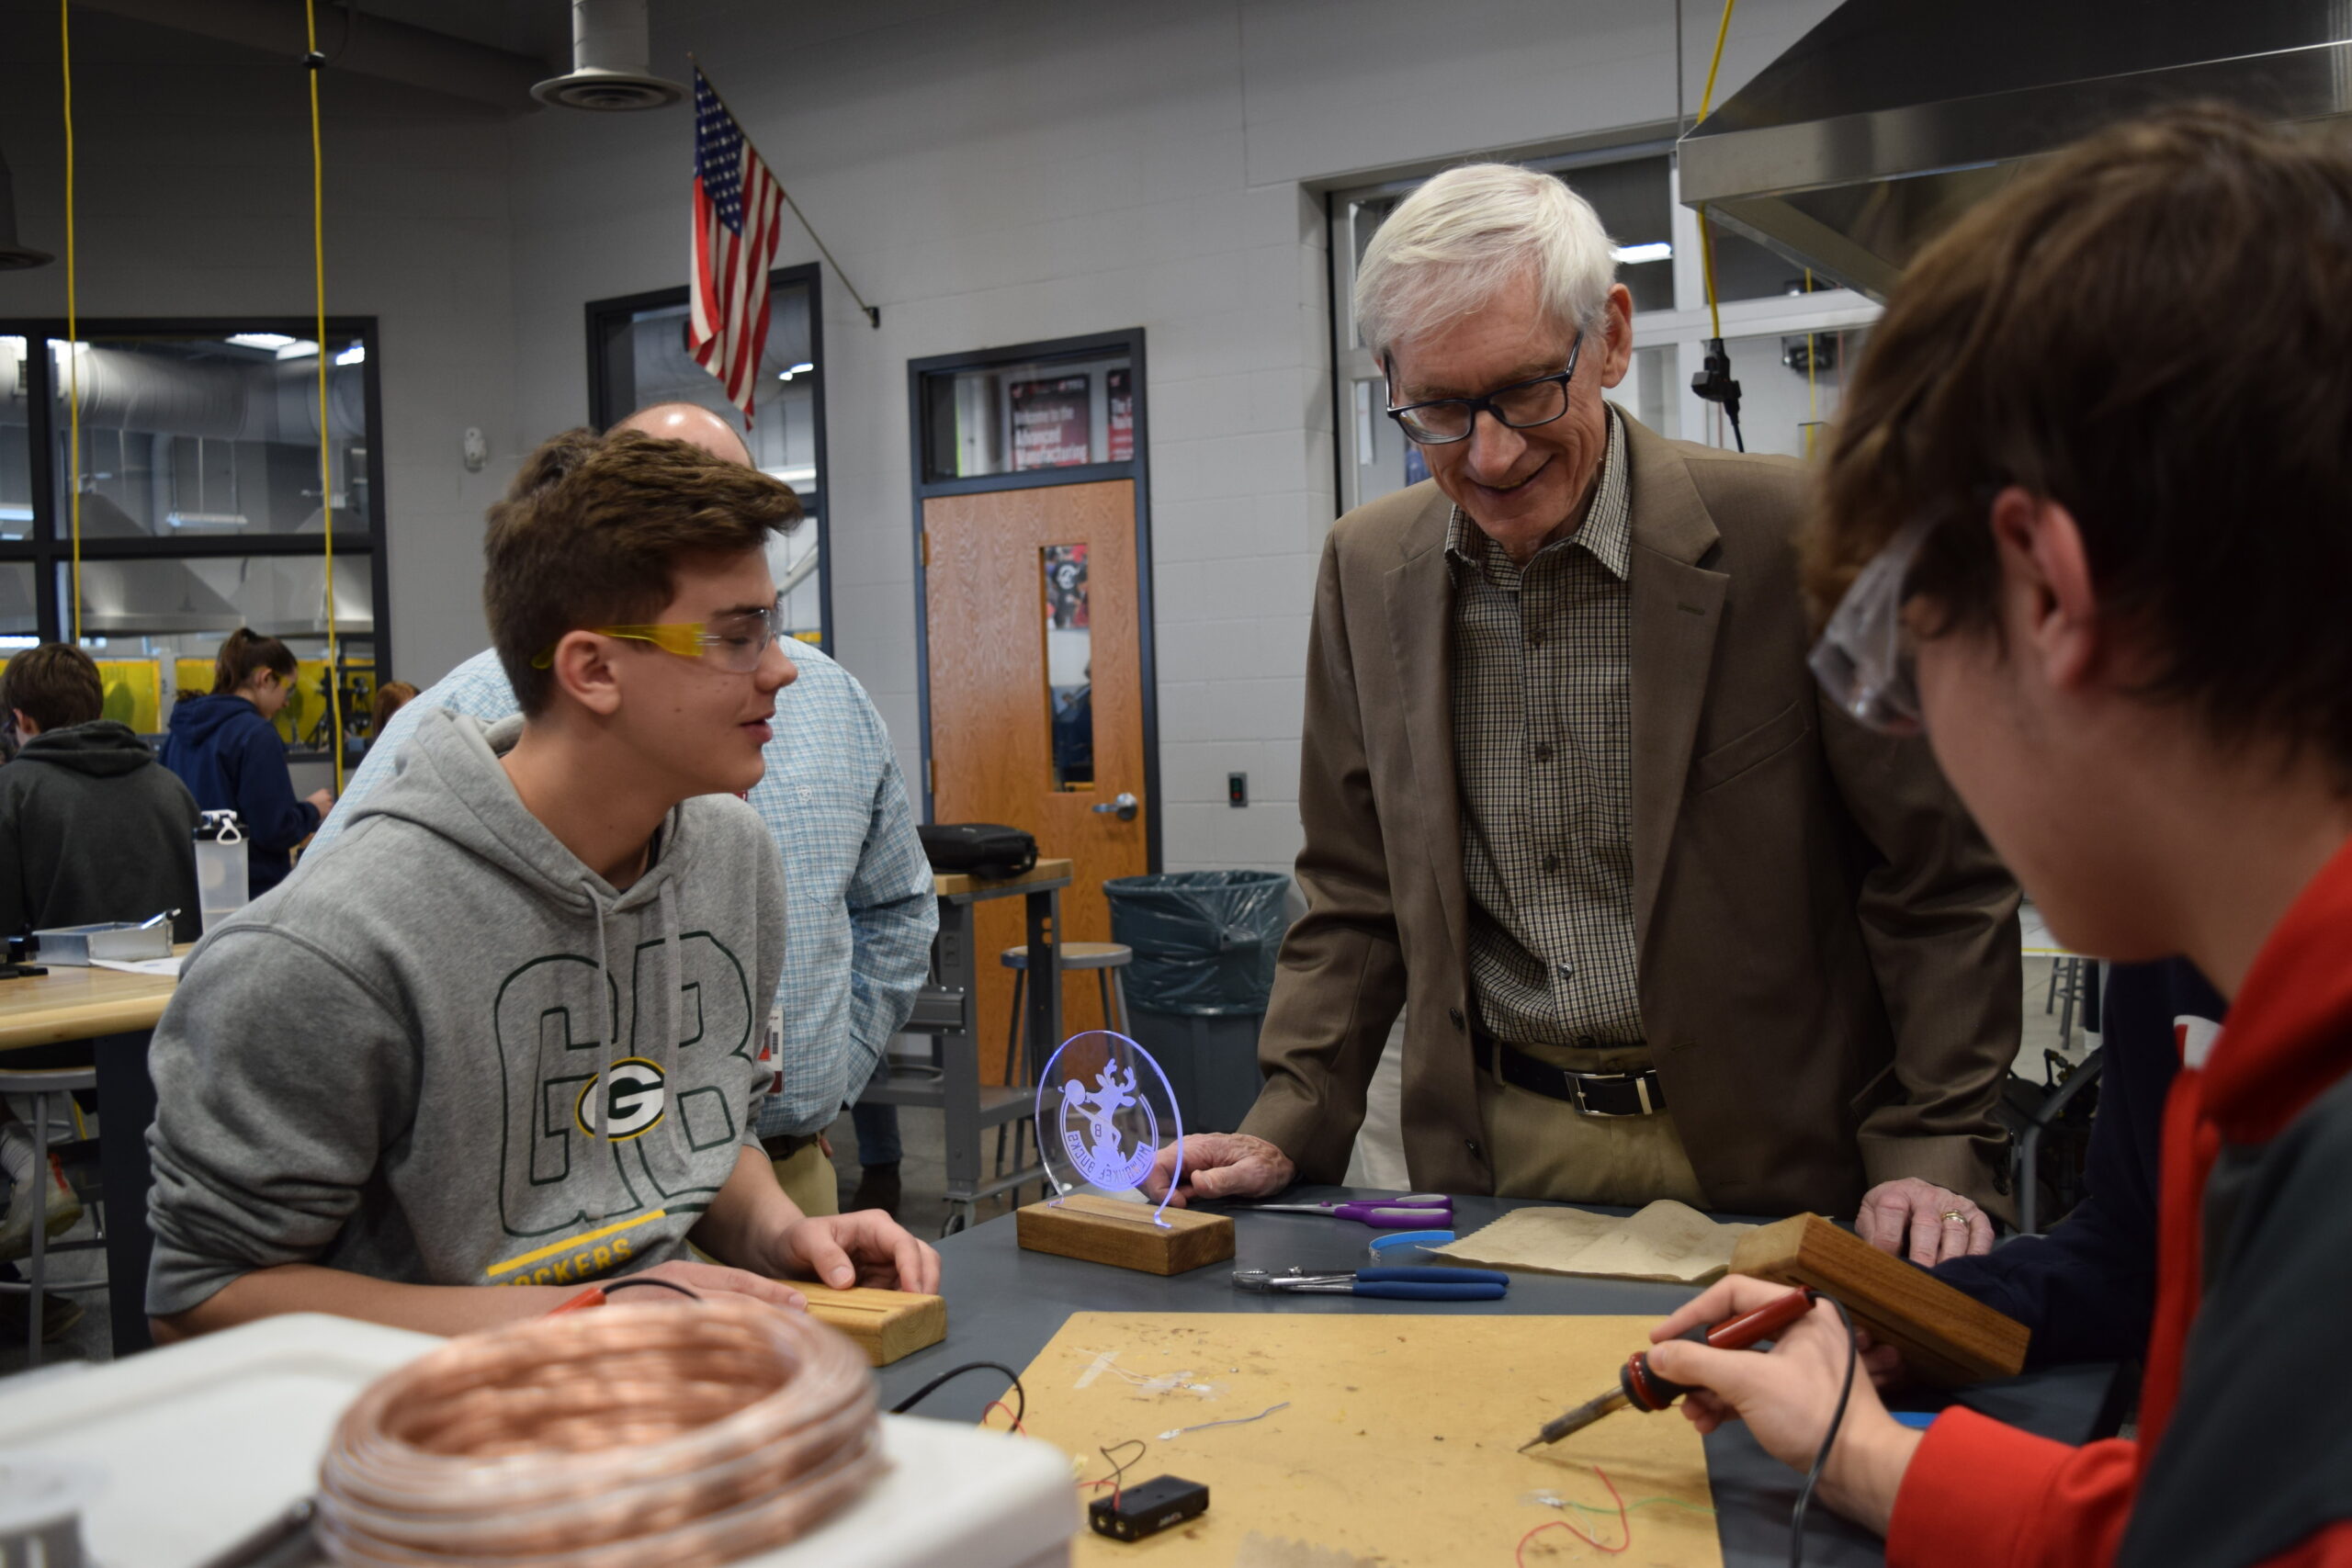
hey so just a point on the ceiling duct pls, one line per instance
(1881, 126)
(610, 49)
(14, 257)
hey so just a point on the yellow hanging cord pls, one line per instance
(1706, 234)
(326, 463)
(73, 325)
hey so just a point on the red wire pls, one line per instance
(1624, 1523)
(999, 1405)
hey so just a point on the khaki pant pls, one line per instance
(808, 1179)
(1543, 1147)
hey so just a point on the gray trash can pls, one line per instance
(1205, 943)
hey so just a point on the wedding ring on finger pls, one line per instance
(1955, 1217)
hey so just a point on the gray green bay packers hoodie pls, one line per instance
(445, 1052)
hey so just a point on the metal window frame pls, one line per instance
(604, 412)
(1092, 345)
(49, 546)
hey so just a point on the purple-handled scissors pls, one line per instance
(1415, 1211)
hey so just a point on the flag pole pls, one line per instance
(873, 312)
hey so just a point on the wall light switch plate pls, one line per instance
(1236, 790)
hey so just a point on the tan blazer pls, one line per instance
(1828, 950)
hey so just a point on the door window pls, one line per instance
(1040, 414)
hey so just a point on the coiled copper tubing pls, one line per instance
(673, 1434)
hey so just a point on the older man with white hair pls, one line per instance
(1662, 923)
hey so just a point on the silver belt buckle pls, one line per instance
(1641, 1088)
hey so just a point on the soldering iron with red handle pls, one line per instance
(1643, 1388)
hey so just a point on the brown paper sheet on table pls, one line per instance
(1396, 1447)
(1666, 1241)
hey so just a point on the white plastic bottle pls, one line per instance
(221, 883)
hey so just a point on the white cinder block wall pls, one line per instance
(991, 171)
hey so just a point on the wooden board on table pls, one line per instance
(1947, 1338)
(1105, 1230)
(887, 1325)
(1395, 1445)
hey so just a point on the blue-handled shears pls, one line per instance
(1398, 1284)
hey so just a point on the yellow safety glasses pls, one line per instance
(735, 643)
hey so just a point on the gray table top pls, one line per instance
(1003, 1305)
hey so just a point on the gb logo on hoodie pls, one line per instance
(621, 1104)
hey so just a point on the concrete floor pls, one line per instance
(1379, 1163)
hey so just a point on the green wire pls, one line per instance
(1644, 1503)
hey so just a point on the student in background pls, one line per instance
(227, 752)
(91, 830)
(391, 697)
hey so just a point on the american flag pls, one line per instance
(735, 207)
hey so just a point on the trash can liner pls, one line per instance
(1205, 941)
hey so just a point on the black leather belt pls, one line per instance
(783, 1145)
(1593, 1094)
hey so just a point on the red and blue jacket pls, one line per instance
(2244, 1451)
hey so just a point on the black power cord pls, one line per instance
(1828, 1439)
(612, 1285)
(1021, 1399)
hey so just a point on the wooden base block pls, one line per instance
(1947, 1338)
(887, 1325)
(1104, 1229)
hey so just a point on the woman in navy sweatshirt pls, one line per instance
(226, 750)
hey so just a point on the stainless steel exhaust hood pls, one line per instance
(1878, 127)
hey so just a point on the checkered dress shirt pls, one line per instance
(1543, 753)
(859, 888)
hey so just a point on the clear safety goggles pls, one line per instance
(1864, 658)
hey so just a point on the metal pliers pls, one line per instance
(1400, 1284)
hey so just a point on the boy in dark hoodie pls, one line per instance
(91, 827)
(504, 1032)
(2087, 522)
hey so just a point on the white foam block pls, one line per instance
(202, 1443)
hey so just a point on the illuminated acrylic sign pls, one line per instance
(1104, 1109)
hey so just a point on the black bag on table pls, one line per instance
(978, 849)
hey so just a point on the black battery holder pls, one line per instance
(1147, 1507)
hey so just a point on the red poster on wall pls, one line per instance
(1118, 390)
(1052, 427)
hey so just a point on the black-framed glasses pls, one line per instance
(1521, 405)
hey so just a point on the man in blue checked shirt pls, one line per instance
(860, 889)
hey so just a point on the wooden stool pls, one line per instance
(44, 1085)
(1106, 959)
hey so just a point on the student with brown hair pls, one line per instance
(91, 830)
(511, 1029)
(226, 750)
(2087, 522)
(391, 697)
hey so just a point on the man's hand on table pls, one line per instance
(1787, 1395)
(1220, 1166)
(1933, 1222)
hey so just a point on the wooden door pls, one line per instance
(1013, 576)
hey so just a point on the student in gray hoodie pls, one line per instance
(505, 1033)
